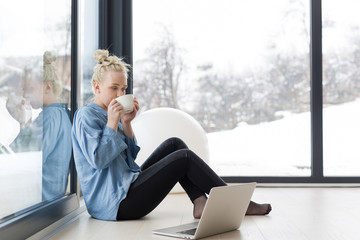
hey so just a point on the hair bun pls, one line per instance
(101, 55)
(49, 57)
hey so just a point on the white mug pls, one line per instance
(127, 102)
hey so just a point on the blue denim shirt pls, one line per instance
(56, 150)
(105, 161)
(51, 134)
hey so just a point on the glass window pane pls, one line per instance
(241, 70)
(35, 140)
(90, 41)
(341, 87)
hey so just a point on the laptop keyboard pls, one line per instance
(189, 231)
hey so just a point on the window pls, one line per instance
(90, 42)
(241, 70)
(35, 97)
(35, 104)
(341, 87)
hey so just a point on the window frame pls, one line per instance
(27, 222)
(316, 105)
(117, 38)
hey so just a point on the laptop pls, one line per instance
(224, 211)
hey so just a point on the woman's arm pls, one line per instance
(98, 144)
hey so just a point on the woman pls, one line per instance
(105, 149)
(50, 132)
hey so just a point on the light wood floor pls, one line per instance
(298, 213)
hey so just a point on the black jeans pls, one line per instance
(170, 163)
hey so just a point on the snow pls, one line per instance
(283, 147)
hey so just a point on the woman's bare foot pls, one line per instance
(199, 205)
(258, 209)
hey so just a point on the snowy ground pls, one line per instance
(282, 148)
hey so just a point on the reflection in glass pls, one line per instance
(33, 125)
(50, 131)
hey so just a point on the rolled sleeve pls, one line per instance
(99, 145)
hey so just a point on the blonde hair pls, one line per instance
(50, 74)
(106, 63)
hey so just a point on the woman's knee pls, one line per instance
(177, 142)
(188, 155)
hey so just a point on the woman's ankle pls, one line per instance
(199, 204)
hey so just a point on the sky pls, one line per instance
(21, 35)
(208, 30)
(237, 33)
(202, 26)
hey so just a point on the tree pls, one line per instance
(222, 99)
(158, 75)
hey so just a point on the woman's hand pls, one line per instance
(19, 108)
(127, 118)
(114, 111)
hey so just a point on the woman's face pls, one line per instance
(113, 85)
(33, 91)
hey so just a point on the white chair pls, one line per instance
(154, 126)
